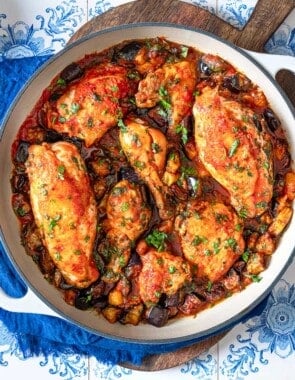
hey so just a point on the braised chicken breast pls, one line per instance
(64, 209)
(211, 238)
(234, 151)
(127, 212)
(127, 218)
(88, 108)
(145, 149)
(172, 86)
(162, 273)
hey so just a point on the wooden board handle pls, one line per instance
(263, 22)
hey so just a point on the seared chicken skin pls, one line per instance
(145, 149)
(88, 108)
(211, 238)
(172, 86)
(162, 273)
(64, 209)
(234, 151)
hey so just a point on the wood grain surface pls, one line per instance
(267, 16)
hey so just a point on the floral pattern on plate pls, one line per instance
(46, 35)
(272, 333)
(282, 41)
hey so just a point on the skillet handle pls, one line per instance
(29, 303)
(273, 63)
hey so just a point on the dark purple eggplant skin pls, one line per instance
(22, 152)
(204, 68)
(158, 316)
(71, 72)
(129, 51)
(271, 120)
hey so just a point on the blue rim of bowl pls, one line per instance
(258, 304)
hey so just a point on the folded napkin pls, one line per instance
(39, 334)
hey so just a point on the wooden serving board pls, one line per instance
(266, 18)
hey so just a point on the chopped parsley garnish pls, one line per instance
(133, 75)
(125, 206)
(61, 82)
(57, 256)
(21, 211)
(158, 293)
(182, 130)
(172, 269)
(53, 222)
(232, 243)
(261, 204)
(122, 261)
(199, 239)
(75, 107)
(157, 239)
(61, 171)
(209, 286)
(118, 190)
(156, 148)
(122, 126)
(216, 246)
(164, 99)
(184, 51)
(243, 213)
(140, 165)
(220, 217)
(255, 277)
(245, 256)
(114, 88)
(187, 171)
(233, 147)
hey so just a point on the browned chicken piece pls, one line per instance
(162, 273)
(64, 209)
(172, 86)
(127, 218)
(145, 149)
(126, 211)
(234, 151)
(211, 238)
(91, 106)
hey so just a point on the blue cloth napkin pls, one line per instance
(39, 334)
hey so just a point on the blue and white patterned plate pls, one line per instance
(261, 348)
